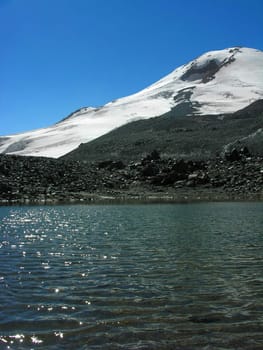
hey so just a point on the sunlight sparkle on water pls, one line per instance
(185, 276)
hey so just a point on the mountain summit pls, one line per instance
(218, 82)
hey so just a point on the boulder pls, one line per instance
(150, 170)
(233, 155)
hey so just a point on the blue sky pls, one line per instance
(60, 55)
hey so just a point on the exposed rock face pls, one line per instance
(207, 71)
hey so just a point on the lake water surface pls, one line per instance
(179, 276)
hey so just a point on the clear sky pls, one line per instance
(60, 55)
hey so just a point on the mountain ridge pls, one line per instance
(217, 82)
(175, 136)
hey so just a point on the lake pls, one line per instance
(169, 276)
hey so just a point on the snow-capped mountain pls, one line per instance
(218, 82)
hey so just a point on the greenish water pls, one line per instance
(181, 276)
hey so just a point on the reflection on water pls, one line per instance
(132, 277)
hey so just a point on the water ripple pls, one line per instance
(132, 277)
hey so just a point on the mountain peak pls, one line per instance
(217, 82)
(206, 66)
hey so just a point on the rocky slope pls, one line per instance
(216, 83)
(189, 137)
(238, 175)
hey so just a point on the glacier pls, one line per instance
(217, 82)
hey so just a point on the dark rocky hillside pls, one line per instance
(177, 136)
(165, 158)
(238, 175)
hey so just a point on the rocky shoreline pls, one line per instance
(237, 175)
